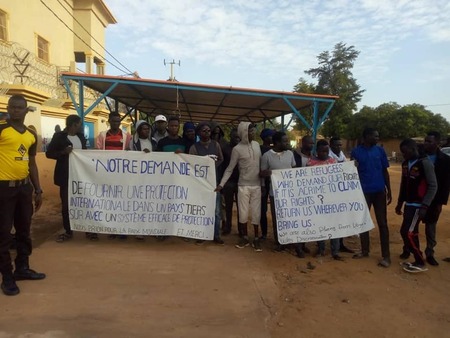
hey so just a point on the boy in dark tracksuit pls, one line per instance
(417, 189)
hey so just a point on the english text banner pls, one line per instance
(319, 203)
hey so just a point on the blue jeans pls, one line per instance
(335, 245)
(217, 219)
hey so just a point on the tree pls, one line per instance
(334, 77)
(395, 121)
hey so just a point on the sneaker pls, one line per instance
(219, 241)
(415, 268)
(263, 238)
(432, 261)
(243, 242)
(360, 255)
(9, 286)
(385, 263)
(257, 245)
(405, 264)
(337, 258)
(405, 255)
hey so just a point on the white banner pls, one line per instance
(319, 203)
(134, 193)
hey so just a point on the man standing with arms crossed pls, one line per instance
(372, 164)
(18, 178)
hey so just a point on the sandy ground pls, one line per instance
(178, 289)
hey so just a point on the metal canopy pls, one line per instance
(197, 102)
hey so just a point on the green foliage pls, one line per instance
(395, 121)
(334, 77)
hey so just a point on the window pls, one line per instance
(3, 26)
(42, 45)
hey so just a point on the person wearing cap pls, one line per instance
(160, 130)
(142, 139)
(266, 137)
(208, 147)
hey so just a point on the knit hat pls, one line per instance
(266, 132)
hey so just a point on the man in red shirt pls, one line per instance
(114, 138)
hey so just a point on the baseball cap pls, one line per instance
(160, 118)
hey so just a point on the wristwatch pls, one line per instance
(38, 191)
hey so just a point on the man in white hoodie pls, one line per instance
(247, 155)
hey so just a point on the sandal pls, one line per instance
(64, 237)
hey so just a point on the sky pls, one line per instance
(268, 44)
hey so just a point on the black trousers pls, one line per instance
(64, 195)
(378, 200)
(16, 207)
(410, 232)
(229, 193)
(263, 221)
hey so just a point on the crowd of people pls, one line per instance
(243, 170)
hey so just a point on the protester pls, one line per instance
(230, 189)
(59, 149)
(18, 178)
(372, 164)
(142, 139)
(189, 135)
(114, 139)
(247, 155)
(417, 189)
(208, 147)
(172, 142)
(266, 137)
(303, 153)
(160, 130)
(337, 153)
(441, 164)
(279, 157)
(322, 158)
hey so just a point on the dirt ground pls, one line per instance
(178, 289)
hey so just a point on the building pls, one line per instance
(40, 40)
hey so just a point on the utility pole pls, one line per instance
(171, 63)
